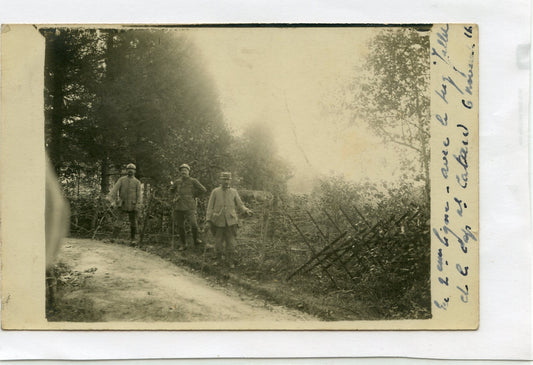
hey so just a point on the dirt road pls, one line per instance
(127, 284)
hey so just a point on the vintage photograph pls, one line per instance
(222, 174)
(250, 177)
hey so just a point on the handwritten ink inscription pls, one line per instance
(454, 72)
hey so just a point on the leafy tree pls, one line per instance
(71, 69)
(119, 96)
(393, 96)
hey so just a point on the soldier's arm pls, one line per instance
(113, 193)
(139, 196)
(240, 204)
(172, 188)
(199, 187)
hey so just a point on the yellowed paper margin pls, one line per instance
(454, 192)
(454, 176)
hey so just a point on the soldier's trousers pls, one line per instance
(225, 241)
(190, 215)
(120, 217)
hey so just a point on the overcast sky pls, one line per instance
(292, 78)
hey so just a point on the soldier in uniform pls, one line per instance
(129, 200)
(222, 217)
(185, 190)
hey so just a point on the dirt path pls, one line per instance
(127, 284)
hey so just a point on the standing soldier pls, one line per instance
(129, 200)
(222, 217)
(185, 190)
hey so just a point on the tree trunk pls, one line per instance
(78, 177)
(55, 65)
(425, 156)
(104, 176)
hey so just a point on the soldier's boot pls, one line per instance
(182, 239)
(196, 241)
(133, 232)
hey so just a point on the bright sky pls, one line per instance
(292, 79)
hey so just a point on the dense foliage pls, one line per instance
(119, 96)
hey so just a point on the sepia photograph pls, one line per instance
(256, 177)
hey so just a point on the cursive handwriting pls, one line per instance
(443, 304)
(454, 94)
(467, 234)
(468, 31)
(461, 270)
(443, 240)
(444, 88)
(439, 259)
(460, 205)
(443, 121)
(442, 41)
(470, 76)
(461, 158)
(448, 231)
(464, 293)
(445, 169)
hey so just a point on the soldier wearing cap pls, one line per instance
(129, 200)
(222, 217)
(185, 190)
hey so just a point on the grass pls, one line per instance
(61, 308)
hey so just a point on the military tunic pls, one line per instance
(129, 193)
(185, 190)
(221, 209)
